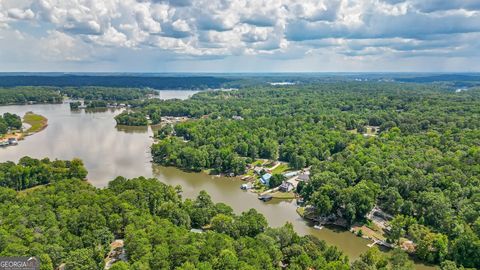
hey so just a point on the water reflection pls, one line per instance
(100, 110)
(130, 129)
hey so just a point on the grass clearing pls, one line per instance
(301, 211)
(258, 162)
(281, 168)
(283, 195)
(37, 122)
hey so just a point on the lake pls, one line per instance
(109, 151)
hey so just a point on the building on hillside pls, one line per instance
(286, 187)
(291, 174)
(265, 179)
(258, 170)
(304, 177)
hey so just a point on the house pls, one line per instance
(236, 117)
(258, 170)
(291, 174)
(265, 179)
(304, 177)
(286, 187)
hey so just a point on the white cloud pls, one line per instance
(222, 28)
(58, 46)
(20, 14)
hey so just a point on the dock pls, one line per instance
(265, 197)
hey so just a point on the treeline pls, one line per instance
(9, 121)
(31, 94)
(422, 164)
(71, 223)
(128, 118)
(132, 81)
(106, 93)
(23, 95)
(30, 172)
(227, 145)
(141, 115)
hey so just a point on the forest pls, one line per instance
(131, 119)
(53, 214)
(132, 81)
(94, 97)
(23, 95)
(105, 93)
(420, 162)
(9, 121)
(30, 172)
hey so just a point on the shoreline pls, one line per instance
(36, 124)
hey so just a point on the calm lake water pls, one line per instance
(109, 151)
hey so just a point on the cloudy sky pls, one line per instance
(239, 35)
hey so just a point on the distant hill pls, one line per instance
(157, 82)
(442, 78)
(452, 80)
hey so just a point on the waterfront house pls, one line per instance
(291, 174)
(258, 170)
(304, 177)
(286, 187)
(265, 179)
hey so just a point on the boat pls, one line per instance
(300, 201)
(4, 143)
(245, 187)
(318, 227)
(12, 141)
(265, 198)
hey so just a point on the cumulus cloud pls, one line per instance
(58, 46)
(20, 14)
(221, 28)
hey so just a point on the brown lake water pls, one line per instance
(109, 151)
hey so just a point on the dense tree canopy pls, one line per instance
(23, 95)
(72, 223)
(47, 94)
(105, 93)
(30, 172)
(79, 80)
(131, 119)
(419, 156)
(9, 121)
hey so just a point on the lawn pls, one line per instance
(36, 122)
(301, 211)
(258, 162)
(283, 195)
(281, 168)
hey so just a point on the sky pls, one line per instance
(240, 35)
